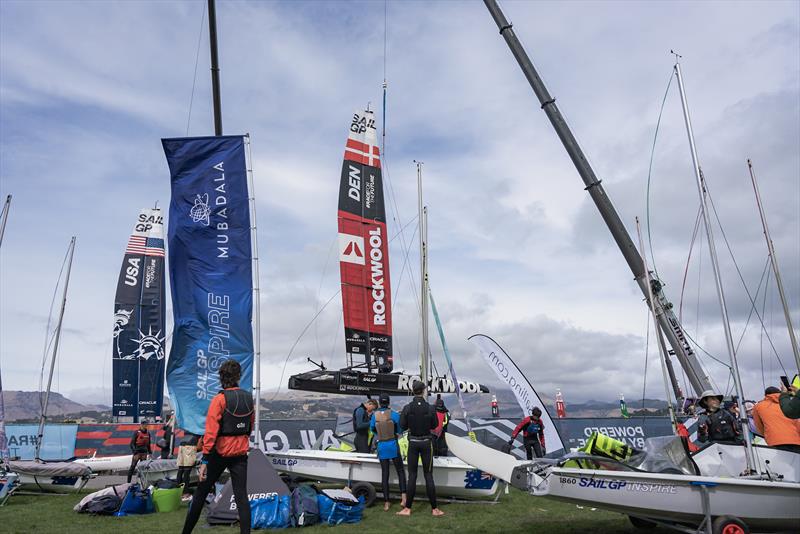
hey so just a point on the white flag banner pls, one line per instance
(508, 372)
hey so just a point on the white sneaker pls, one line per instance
(186, 498)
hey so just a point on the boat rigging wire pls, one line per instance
(650, 172)
(296, 341)
(196, 62)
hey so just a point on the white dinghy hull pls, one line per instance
(453, 477)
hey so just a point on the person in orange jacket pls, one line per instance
(226, 442)
(779, 431)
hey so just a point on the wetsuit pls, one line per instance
(532, 429)
(419, 418)
(389, 451)
(361, 428)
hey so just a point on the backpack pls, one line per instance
(103, 505)
(304, 507)
(238, 410)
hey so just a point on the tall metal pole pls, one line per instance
(256, 292)
(774, 261)
(648, 284)
(212, 37)
(40, 433)
(4, 217)
(701, 190)
(423, 269)
(661, 349)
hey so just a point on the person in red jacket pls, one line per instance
(532, 428)
(225, 444)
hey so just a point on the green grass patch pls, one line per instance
(515, 512)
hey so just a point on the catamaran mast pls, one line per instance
(774, 261)
(701, 189)
(667, 320)
(4, 217)
(40, 432)
(424, 359)
(212, 38)
(256, 291)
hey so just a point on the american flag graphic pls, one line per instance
(149, 246)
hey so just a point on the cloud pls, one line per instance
(517, 249)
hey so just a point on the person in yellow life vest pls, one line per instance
(443, 416)
(385, 425)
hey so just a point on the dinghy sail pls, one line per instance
(138, 351)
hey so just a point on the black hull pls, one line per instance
(350, 382)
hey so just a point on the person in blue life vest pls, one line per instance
(385, 426)
(420, 419)
(532, 428)
(140, 447)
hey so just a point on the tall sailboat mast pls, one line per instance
(774, 261)
(424, 358)
(212, 38)
(4, 217)
(40, 432)
(667, 320)
(701, 190)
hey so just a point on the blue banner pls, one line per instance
(58, 442)
(210, 271)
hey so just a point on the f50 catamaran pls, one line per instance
(366, 296)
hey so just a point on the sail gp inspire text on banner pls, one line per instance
(210, 271)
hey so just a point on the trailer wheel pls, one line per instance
(727, 524)
(640, 523)
(366, 490)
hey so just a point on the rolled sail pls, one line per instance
(210, 271)
(363, 250)
(138, 349)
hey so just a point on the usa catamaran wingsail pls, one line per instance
(139, 330)
(366, 296)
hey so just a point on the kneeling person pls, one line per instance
(385, 425)
(225, 444)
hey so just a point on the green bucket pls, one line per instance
(167, 500)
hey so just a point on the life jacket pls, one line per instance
(533, 428)
(142, 440)
(601, 445)
(443, 420)
(237, 414)
(384, 425)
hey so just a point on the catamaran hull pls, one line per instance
(453, 477)
(107, 464)
(350, 382)
(762, 505)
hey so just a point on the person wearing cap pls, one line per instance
(140, 447)
(790, 401)
(532, 428)
(385, 425)
(779, 431)
(717, 424)
(443, 415)
(419, 418)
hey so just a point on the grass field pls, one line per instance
(515, 512)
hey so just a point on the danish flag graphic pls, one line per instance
(351, 249)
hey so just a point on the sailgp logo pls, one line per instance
(200, 212)
(351, 249)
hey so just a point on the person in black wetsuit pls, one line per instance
(419, 418)
(361, 418)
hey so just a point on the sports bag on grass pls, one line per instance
(304, 506)
(270, 512)
(335, 512)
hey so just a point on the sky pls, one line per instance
(517, 249)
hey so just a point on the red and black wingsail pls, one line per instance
(364, 251)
